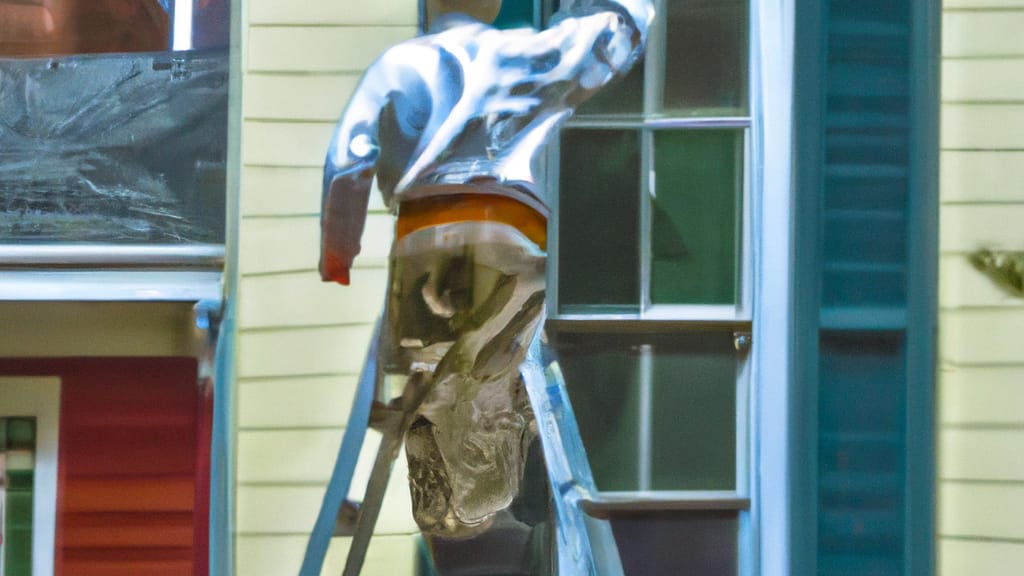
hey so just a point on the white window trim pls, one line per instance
(39, 397)
(772, 42)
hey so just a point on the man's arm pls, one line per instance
(636, 15)
(393, 82)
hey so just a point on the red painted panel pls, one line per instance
(133, 492)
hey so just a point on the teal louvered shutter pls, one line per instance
(866, 143)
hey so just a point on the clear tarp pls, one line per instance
(114, 148)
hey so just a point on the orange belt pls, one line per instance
(436, 210)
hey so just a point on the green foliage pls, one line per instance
(1005, 268)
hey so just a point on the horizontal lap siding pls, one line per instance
(302, 342)
(981, 372)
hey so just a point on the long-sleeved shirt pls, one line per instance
(468, 103)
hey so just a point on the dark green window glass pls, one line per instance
(686, 416)
(694, 412)
(17, 446)
(624, 96)
(602, 376)
(515, 14)
(694, 543)
(695, 230)
(706, 63)
(598, 231)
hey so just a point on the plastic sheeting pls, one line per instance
(115, 148)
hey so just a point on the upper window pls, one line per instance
(106, 135)
(650, 291)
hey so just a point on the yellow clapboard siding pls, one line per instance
(390, 13)
(982, 455)
(982, 510)
(286, 143)
(320, 49)
(989, 336)
(293, 509)
(313, 351)
(983, 126)
(980, 176)
(983, 80)
(302, 299)
(975, 4)
(962, 286)
(303, 97)
(287, 456)
(973, 395)
(293, 244)
(989, 33)
(310, 456)
(281, 191)
(966, 228)
(975, 558)
(295, 401)
(288, 191)
(277, 555)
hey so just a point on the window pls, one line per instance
(17, 465)
(650, 291)
(29, 409)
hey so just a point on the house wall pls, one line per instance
(981, 412)
(301, 342)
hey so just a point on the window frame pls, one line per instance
(738, 318)
(769, 324)
(39, 398)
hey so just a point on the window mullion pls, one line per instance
(646, 435)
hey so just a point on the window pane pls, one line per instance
(624, 96)
(17, 462)
(515, 14)
(672, 396)
(706, 57)
(598, 227)
(601, 373)
(695, 543)
(694, 412)
(696, 216)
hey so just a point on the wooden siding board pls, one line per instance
(287, 456)
(291, 97)
(286, 402)
(982, 511)
(982, 395)
(298, 144)
(966, 228)
(293, 509)
(289, 191)
(982, 176)
(981, 4)
(304, 351)
(973, 558)
(989, 455)
(983, 126)
(985, 33)
(389, 13)
(302, 299)
(962, 286)
(989, 336)
(320, 49)
(293, 244)
(277, 555)
(983, 80)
